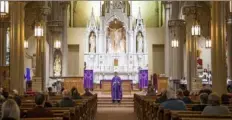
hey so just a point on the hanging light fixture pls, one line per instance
(196, 28)
(208, 43)
(38, 30)
(4, 8)
(25, 44)
(175, 42)
(57, 44)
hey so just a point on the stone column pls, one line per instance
(167, 45)
(218, 29)
(64, 39)
(229, 45)
(17, 46)
(3, 30)
(42, 12)
(177, 27)
(191, 44)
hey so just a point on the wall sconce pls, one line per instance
(38, 30)
(25, 44)
(208, 43)
(57, 44)
(4, 8)
(196, 29)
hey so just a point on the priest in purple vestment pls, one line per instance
(116, 89)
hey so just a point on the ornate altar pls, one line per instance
(115, 44)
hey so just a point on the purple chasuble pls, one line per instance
(116, 89)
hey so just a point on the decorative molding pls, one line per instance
(176, 23)
(191, 10)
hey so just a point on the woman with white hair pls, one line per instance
(214, 107)
(10, 110)
(172, 103)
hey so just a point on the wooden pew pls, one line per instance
(53, 118)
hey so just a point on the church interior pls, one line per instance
(108, 60)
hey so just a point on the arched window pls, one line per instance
(8, 46)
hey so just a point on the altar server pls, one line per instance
(116, 89)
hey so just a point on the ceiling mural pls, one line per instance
(152, 12)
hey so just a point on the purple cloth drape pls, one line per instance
(143, 79)
(88, 79)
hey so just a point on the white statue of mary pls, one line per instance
(140, 42)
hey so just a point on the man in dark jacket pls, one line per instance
(39, 111)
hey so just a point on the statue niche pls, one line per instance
(92, 42)
(57, 64)
(140, 42)
(116, 37)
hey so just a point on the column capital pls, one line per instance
(176, 23)
(167, 4)
(65, 4)
(56, 25)
(191, 10)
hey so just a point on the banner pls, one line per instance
(88, 79)
(143, 79)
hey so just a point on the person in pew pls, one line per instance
(47, 104)
(16, 97)
(10, 110)
(226, 99)
(205, 89)
(39, 110)
(163, 96)
(87, 92)
(2, 98)
(214, 107)
(186, 99)
(66, 100)
(50, 93)
(173, 103)
(203, 102)
(75, 94)
(179, 94)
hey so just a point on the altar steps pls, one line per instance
(107, 102)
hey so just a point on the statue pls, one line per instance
(139, 42)
(57, 66)
(92, 42)
(116, 41)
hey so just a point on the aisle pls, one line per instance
(115, 113)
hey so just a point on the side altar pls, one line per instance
(117, 43)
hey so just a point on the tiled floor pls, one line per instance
(121, 113)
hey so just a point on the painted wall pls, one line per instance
(76, 36)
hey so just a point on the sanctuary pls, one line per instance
(116, 43)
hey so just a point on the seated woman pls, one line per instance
(225, 98)
(10, 110)
(214, 107)
(75, 94)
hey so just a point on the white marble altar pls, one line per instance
(119, 46)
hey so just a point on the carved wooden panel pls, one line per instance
(70, 82)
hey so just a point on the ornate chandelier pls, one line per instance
(38, 30)
(4, 8)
